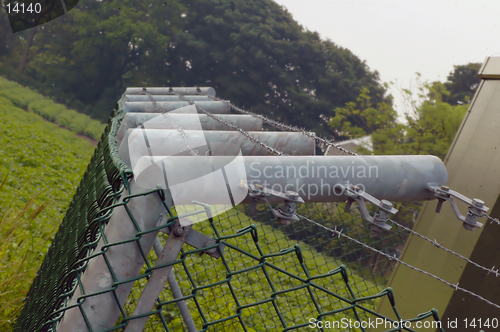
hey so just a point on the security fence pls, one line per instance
(240, 270)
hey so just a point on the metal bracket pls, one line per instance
(196, 239)
(476, 206)
(286, 212)
(378, 221)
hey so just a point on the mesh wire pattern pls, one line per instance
(257, 285)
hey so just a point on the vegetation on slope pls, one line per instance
(40, 168)
(34, 102)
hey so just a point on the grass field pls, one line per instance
(40, 168)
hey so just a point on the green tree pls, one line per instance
(259, 57)
(462, 84)
(251, 52)
(431, 123)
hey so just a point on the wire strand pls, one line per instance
(182, 134)
(243, 132)
(280, 125)
(394, 258)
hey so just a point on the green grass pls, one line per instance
(34, 102)
(40, 168)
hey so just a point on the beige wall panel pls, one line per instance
(473, 168)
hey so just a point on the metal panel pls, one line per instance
(490, 68)
(142, 142)
(186, 121)
(165, 98)
(172, 106)
(168, 91)
(314, 178)
(472, 165)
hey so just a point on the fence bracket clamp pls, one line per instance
(477, 208)
(378, 221)
(285, 213)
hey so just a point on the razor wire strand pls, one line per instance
(280, 125)
(394, 258)
(182, 134)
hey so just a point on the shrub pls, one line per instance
(78, 123)
(94, 129)
(65, 117)
(20, 97)
(7, 84)
(47, 108)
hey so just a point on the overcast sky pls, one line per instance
(400, 37)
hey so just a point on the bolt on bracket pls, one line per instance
(379, 219)
(477, 208)
(286, 212)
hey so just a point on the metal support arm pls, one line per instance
(477, 208)
(285, 213)
(378, 221)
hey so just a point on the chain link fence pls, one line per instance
(269, 276)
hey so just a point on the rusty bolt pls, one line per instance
(178, 231)
(445, 188)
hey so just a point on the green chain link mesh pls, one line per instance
(264, 281)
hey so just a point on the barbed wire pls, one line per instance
(438, 245)
(394, 258)
(280, 125)
(492, 220)
(335, 231)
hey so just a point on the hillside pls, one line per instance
(40, 168)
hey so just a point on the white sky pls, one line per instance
(401, 37)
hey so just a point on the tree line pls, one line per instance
(252, 52)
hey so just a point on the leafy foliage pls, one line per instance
(462, 84)
(20, 97)
(431, 123)
(252, 51)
